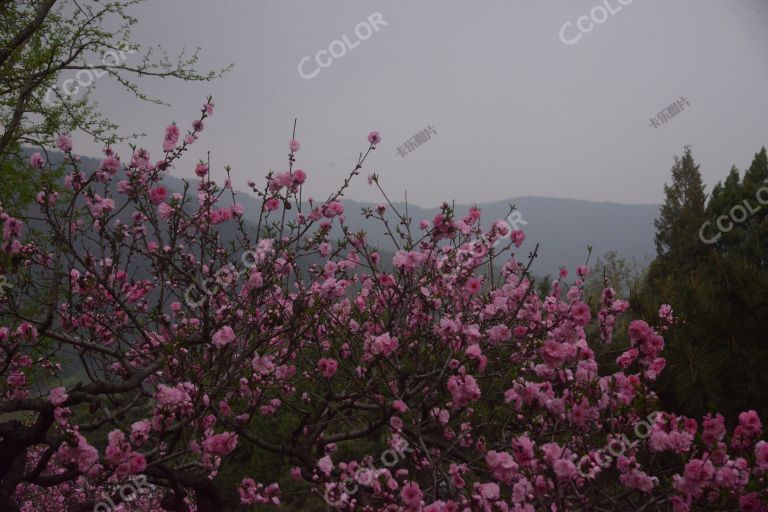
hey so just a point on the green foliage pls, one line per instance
(45, 44)
(717, 351)
(677, 241)
(612, 271)
(740, 203)
(18, 186)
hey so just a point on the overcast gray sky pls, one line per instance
(517, 111)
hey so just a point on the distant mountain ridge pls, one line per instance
(563, 228)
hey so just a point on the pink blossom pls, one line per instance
(333, 209)
(382, 345)
(502, 466)
(140, 432)
(325, 465)
(750, 503)
(124, 187)
(761, 455)
(110, 165)
(36, 160)
(564, 469)
(171, 137)
(581, 313)
(627, 358)
(294, 145)
(121, 456)
(327, 367)
(636, 479)
(99, 205)
(82, 455)
(407, 260)
(64, 143)
(697, 474)
(747, 431)
(223, 337)
(58, 396)
(411, 495)
(172, 396)
(399, 406)
(499, 333)
(750, 421)
(463, 389)
(271, 204)
(221, 215)
(299, 177)
(518, 236)
(201, 169)
(553, 353)
(262, 364)
(374, 138)
(473, 285)
(220, 444)
(158, 195)
(252, 493)
(488, 492)
(165, 210)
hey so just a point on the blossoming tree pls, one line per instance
(137, 344)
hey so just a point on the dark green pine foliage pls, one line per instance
(754, 244)
(717, 354)
(757, 174)
(742, 207)
(724, 196)
(677, 229)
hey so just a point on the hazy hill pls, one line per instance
(562, 227)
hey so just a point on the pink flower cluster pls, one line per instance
(120, 455)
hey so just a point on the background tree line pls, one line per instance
(711, 268)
